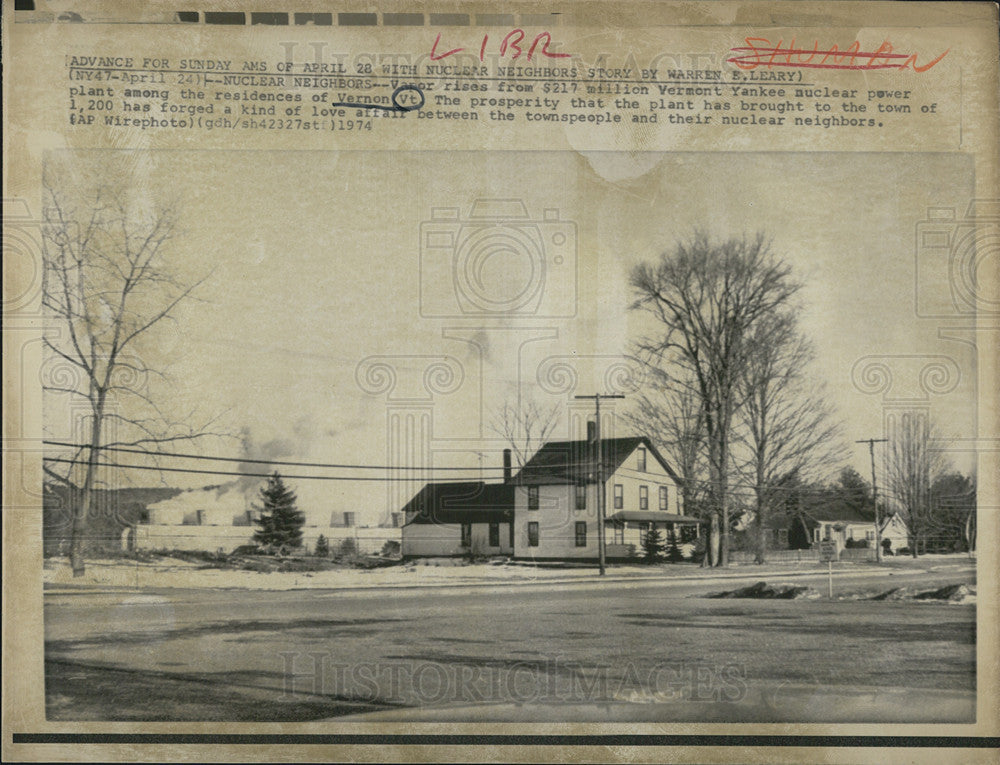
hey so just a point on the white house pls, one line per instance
(548, 511)
(555, 500)
(844, 524)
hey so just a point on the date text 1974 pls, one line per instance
(510, 44)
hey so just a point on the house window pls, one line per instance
(642, 459)
(644, 498)
(494, 535)
(581, 496)
(532, 533)
(532, 497)
(466, 535)
(581, 533)
(619, 530)
(510, 534)
(348, 519)
(783, 537)
(817, 534)
(619, 496)
(663, 497)
(870, 535)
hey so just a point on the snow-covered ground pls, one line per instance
(175, 573)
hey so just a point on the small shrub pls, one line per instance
(652, 546)
(348, 548)
(699, 549)
(390, 549)
(322, 547)
(674, 554)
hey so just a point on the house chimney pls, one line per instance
(591, 431)
(506, 466)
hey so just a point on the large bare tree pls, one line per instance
(914, 461)
(670, 412)
(786, 429)
(705, 299)
(525, 424)
(107, 285)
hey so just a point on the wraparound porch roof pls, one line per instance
(651, 516)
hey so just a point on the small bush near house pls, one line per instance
(856, 544)
(322, 547)
(700, 547)
(652, 546)
(674, 554)
(348, 548)
(390, 549)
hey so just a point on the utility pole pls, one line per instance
(600, 475)
(878, 531)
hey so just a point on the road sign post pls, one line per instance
(828, 554)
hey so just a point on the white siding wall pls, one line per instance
(631, 478)
(557, 515)
(897, 532)
(431, 540)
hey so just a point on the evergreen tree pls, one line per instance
(280, 521)
(322, 547)
(652, 545)
(674, 554)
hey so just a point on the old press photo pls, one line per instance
(482, 382)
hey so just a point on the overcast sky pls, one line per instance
(317, 263)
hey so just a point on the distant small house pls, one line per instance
(459, 518)
(847, 526)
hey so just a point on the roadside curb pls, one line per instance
(592, 581)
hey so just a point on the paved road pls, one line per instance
(600, 650)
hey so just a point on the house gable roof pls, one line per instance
(461, 502)
(572, 462)
(841, 514)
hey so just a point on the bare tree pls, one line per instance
(670, 412)
(913, 464)
(524, 423)
(107, 286)
(786, 426)
(706, 299)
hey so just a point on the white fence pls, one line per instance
(794, 556)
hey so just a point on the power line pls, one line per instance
(284, 463)
(240, 474)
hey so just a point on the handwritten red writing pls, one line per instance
(510, 44)
(760, 51)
